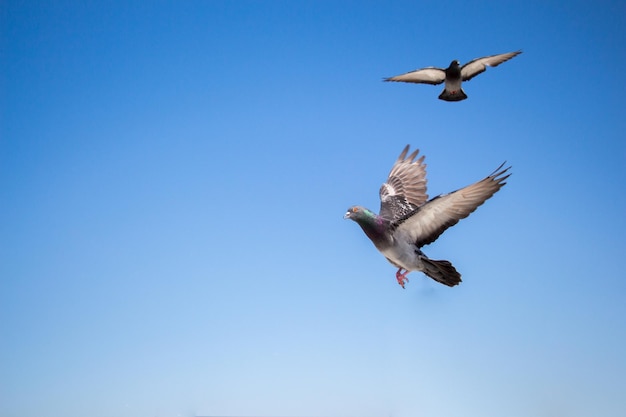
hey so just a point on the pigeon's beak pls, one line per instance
(347, 215)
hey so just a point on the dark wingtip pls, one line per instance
(411, 158)
(403, 153)
(497, 174)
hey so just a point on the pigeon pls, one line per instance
(454, 75)
(408, 220)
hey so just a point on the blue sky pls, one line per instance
(173, 177)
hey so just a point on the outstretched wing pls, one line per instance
(479, 65)
(430, 220)
(405, 188)
(430, 75)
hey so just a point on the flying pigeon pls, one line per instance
(454, 75)
(407, 221)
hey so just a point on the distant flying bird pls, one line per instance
(407, 221)
(454, 75)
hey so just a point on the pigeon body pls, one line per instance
(408, 220)
(454, 75)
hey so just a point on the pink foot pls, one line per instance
(401, 277)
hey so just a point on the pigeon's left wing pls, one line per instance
(478, 65)
(430, 75)
(405, 188)
(429, 221)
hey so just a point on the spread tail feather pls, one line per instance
(441, 271)
(456, 95)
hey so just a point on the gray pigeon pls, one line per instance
(454, 75)
(408, 220)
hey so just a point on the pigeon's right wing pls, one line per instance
(479, 65)
(430, 220)
(430, 75)
(405, 188)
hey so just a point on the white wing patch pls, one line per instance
(387, 191)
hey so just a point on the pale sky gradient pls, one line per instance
(173, 177)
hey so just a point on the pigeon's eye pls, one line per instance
(355, 209)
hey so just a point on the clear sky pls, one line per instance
(173, 179)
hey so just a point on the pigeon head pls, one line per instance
(453, 72)
(454, 63)
(374, 226)
(360, 215)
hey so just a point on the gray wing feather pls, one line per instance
(479, 65)
(429, 221)
(430, 75)
(405, 188)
